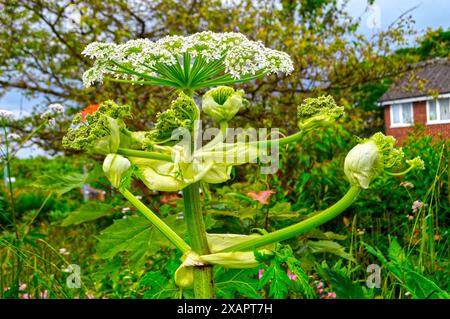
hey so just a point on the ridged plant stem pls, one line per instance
(203, 275)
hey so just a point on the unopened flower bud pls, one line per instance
(362, 164)
(222, 103)
(318, 111)
(373, 156)
(114, 166)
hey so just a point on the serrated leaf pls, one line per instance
(158, 286)
(277, 279)
(234, 283)
(88, 212)
(136, 236)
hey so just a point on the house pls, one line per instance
(422, 96)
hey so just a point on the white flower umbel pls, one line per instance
(56, 108)
(52, 112)
(6, 116)
(200, 60)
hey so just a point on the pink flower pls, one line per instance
(291, 275)
(319, 285)
(261, 196)
(417, 205)
(25, 296)
(331, 295)
(320, 291)
(22, 287)
(43, 294)
(407, 184)
(260, 273)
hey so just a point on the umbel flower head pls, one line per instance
(222, 103)
(374, 156)
(5, 117)
(199, 60)
(99, 132)
(314, 111)
(182, 113)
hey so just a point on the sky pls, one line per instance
(427, 14)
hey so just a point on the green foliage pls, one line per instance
(159, 287)
(277, 278)
(60, 184)
(409, 276)
(340, 282)
(236, 283)
(136, 236)
(86, 213)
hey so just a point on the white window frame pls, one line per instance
(438, 113)
(401, 124)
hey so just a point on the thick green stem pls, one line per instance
(301, 227)
(203, 276)
(173, 237)
(144, 154)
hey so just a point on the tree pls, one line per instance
(41, 44)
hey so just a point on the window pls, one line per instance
(438, 111)
(402, 114)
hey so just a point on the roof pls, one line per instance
(434, 75)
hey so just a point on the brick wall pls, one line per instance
(420, 117)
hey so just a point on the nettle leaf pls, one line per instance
(233, 283)
(295, 266)
(277, 279)
(136, 236)
(88, 212)
(60, 184)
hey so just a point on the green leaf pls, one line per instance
(60, 184)
(88, 212)
(159, 286)
(277, 279)
(232, 283)
(136, 236)
(343, 286)
(422, 287)
(328, 246)
(295, 266)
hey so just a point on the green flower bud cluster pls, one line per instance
(182, 113)
(222, 103)
(318, 110)
(98, 132)
(373, 156)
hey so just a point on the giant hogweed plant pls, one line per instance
(162, 162)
